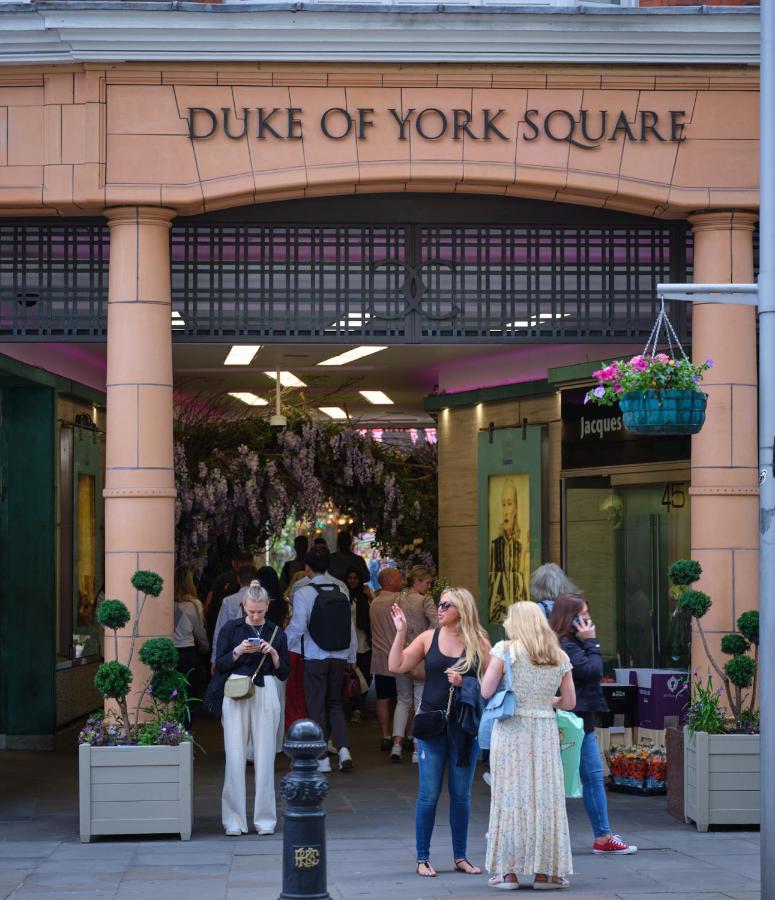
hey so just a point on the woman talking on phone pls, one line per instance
(252, 655)
(571, 622)
(456, 655)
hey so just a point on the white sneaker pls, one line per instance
(233, 832)
(324, 765)
(331, 748)
(415, 757)
(487, 778)
(345, 760)
(395, 753)
(263, 832)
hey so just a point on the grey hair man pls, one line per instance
(547, 583)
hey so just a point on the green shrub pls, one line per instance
(685, 571)
(159, 654)
(113, 680)
(113, 614)
(696, 603)
(147, 583)
(748, 625)
(740, 670)
(734, 644)
(166, 686)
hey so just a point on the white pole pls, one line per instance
(766, 440)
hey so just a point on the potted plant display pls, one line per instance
(135, 764)
(656, 392)
(721, 736)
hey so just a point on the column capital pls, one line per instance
(724, 220)
(140, 215)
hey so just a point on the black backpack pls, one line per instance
(330, 621)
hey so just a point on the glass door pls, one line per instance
(619, 543)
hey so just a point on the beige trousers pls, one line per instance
(256, 717)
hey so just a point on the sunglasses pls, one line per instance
(445, 605)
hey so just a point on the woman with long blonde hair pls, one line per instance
(456, 655)
(528, 830)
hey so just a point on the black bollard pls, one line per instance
(304, 832)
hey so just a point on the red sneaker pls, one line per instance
(614, 846)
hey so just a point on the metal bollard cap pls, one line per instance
(304, 740)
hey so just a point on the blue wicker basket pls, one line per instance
(663, 412)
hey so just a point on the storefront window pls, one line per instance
(619, 543)
(86, 550)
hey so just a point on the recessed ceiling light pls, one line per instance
(378, 398)
(351, 320)
(350, 356)
(287, 379)
(333, 412)
(177, 320)
(250, 399)
(241, 354)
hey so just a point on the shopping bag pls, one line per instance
(571, 729)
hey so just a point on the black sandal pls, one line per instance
(459, 868)
(427, 864)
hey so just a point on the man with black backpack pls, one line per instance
(322, 631)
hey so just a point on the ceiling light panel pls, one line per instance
(241, 354)
(350, 356)
(287, 379)
(250, 399)
(333, 412)
(378, 398)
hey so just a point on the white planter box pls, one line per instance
(722, 779)
(136, 790)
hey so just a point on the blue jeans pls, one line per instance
(434, 755)
(595, 800)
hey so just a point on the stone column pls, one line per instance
(139, 478)
(724, 491)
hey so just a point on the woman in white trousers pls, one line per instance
(254, 647)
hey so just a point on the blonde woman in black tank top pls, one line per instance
(458, 648)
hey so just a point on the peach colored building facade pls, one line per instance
(116, 140)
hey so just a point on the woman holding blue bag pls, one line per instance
(528, 831)
(572, 624)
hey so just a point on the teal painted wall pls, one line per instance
(28, 457)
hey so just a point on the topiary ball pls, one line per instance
(685, 571)
(147, 583)
(740, 670)
(165, 686)
(734, 644)
(159, 654)
(748, 625)
(113, 614)
(113, 679)
(696, 603)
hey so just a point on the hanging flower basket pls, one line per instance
(663, 412)
(657, 393)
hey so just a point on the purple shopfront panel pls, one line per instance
(660, 694)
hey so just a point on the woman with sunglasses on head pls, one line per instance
(572, 624)
(456, 655)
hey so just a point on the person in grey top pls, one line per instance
(231, 608)
(323, 669)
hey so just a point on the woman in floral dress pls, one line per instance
(528, 830)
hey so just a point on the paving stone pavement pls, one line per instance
(370, 842)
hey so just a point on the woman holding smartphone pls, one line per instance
(255, 647)
(571, 622)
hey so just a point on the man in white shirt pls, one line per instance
(324, 669)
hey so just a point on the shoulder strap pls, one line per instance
(263, 658)
(507, 668)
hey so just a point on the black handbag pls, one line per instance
(433, 723)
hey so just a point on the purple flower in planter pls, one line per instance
(599, 391)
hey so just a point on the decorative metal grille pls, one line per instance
(359, 283)
(53, 281)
